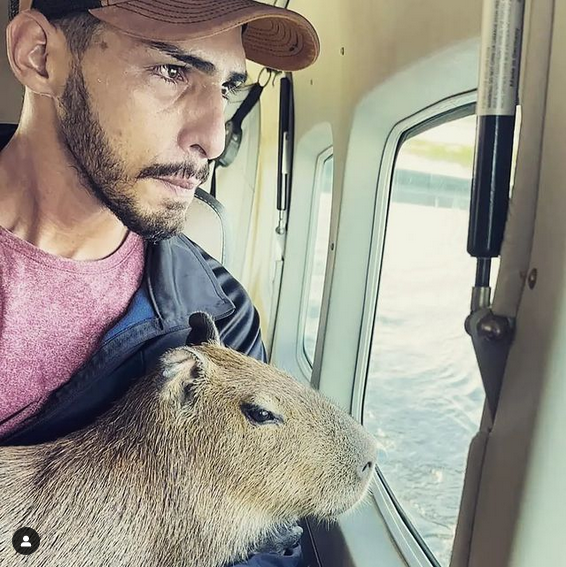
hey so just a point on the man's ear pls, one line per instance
(38, 53)
(203, 329)
(182, 369)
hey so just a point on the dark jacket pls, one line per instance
(179, 279)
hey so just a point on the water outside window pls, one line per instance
(424, 394)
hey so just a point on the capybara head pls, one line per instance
(265, 441)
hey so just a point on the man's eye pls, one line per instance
(229, 91)
(172, 73)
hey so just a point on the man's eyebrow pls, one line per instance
(198, 63)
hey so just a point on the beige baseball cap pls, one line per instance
(274, 37)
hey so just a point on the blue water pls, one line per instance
(424, 395)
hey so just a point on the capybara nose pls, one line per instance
(365, 470)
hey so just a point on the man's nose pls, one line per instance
(203, 129)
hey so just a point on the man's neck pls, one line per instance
(43, 201)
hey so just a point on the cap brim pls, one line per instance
(274, 37)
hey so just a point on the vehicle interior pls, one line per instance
(345, 207)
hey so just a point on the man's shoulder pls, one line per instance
(184, 250)
(181, 244)
(233, 289)
(238, 328)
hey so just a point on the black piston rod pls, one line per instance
(285, 154)
(496, 109)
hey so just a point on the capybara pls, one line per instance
(200, 461)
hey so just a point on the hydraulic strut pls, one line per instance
(500, 57)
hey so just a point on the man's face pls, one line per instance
(142, 120)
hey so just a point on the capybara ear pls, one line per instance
(181, 369)
(203, 329)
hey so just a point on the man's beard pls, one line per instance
(103, 173)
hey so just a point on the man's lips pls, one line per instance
(188, 184)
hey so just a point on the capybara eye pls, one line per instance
(258, 415)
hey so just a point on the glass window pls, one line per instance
(318, 249)
(424, 395)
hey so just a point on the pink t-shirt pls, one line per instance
(53, 313)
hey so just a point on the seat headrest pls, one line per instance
(207, 225)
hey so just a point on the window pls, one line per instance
(318, 249)
(424, 395)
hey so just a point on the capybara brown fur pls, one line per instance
(193, 467)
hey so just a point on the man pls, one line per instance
(123, 111)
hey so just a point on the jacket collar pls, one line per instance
(179, 279)
(180, 282)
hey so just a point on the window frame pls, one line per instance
(303, 359)
(285, 347)
(411, 544)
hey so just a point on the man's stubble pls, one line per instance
(103, 173)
